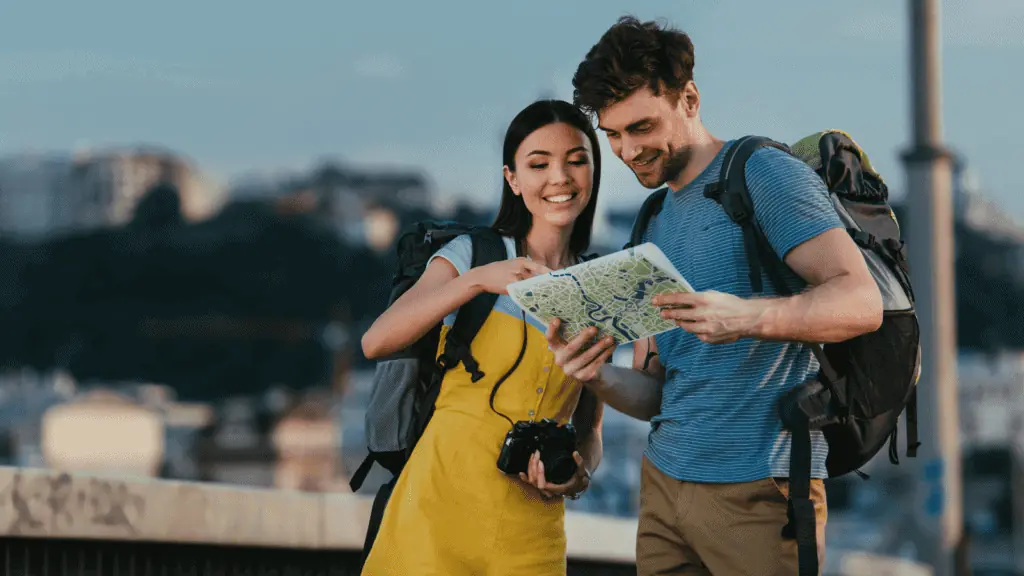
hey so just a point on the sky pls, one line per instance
(261, 87)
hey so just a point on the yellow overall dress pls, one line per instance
(452, 512)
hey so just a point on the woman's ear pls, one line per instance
(510, 177)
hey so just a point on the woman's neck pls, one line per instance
(549, 246)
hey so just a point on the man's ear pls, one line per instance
(690, 99)
(510, 177)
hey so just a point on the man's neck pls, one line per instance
(703, 151)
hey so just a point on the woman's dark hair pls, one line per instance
(629, 56)
(513, 218)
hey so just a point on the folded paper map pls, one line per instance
(612, 292)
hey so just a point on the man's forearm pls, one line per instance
(591, 449)
(839, 309)
(632, 392)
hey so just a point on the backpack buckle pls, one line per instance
(455, 351)
(472, 367)
(713, 191)
(732, 203)
(865, 239)
(444, 362)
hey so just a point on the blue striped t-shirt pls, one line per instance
(718, 420)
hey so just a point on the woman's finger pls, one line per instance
(535, 267)
(541, 481)
(538, 470)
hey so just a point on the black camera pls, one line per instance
(555, 442)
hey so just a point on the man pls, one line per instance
(714, 476)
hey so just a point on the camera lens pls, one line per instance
(559, 469)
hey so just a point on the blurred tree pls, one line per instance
(230, 305)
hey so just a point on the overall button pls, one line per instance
(546, 369)
(540, 390)
(531, 412)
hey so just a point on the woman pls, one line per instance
(453, 512)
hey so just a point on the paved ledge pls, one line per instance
(49, 504)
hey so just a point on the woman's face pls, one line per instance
(554, 173)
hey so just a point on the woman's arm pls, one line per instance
(439, 292)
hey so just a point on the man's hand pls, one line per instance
(579, 482)
(714, 317)
(579, 362)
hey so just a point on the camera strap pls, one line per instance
(522, 351)
(520, 251)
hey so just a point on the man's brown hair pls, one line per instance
(630, 55)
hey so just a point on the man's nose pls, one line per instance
(630, 149)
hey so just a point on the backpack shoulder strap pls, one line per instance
(732, 194)
(488, 247)
(649, 209)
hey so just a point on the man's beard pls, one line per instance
(674, 165)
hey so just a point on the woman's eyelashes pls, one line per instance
(543, 165)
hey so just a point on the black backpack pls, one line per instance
(864, 383)
(406, 384)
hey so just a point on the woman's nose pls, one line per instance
(559, 175)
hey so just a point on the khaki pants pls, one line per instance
(718, 529)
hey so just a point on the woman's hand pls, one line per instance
(576, 485)
(495, 277)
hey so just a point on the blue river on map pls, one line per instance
(596, 312)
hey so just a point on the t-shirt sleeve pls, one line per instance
(791, 202)
(458, 251)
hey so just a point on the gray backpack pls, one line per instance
(406, 384)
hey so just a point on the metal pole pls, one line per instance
(937, 507)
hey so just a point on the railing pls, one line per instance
(71, 525)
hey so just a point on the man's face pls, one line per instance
(652, 134)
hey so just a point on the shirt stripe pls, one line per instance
(718, 420)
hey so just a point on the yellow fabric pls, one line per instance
(453, 512)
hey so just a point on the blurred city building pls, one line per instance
(313, 439)
(45, 194)
(103, 432)
(307, 440)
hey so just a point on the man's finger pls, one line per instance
(677, 299)
(585, 367)
(594, 367)
(698, 328)
(588, 356)
(683, 314)
(568, 351)
(555, 340)
(574, 345)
